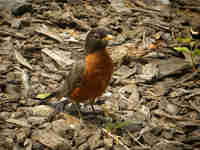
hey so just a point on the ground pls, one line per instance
(152, 102)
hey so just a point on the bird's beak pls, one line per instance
(193, 32)
(108, 37)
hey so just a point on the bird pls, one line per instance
(89, 78)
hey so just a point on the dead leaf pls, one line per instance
(62, 58)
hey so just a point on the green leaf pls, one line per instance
(118, 125)
(196, 52)
(192, 44)
(43, 95)
(184, 40)
(123, 124)
(109, 126)
(182, 49)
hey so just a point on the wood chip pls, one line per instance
(19, 122)
(22, 60)
(62, 58)
(49, 139)
(45, 31)
(13, 34)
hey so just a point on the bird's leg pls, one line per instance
(60, 105)
(76, 104)
(92, 105)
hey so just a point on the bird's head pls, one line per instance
(97, 39)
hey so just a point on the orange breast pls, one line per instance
(98, 72)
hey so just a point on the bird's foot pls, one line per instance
(60, 105)
(92, 106)
(77, 107)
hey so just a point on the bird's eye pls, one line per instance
(96, 36)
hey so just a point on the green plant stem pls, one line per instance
(193, 63)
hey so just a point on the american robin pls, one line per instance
(90, 77)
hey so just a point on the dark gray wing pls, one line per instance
(73, 79)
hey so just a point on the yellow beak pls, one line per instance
(108, 37)
(194, 32)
